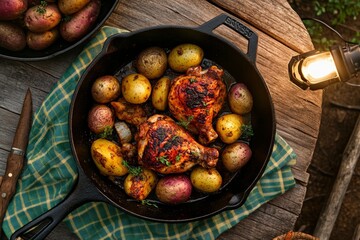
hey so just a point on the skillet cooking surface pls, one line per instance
(120, 50)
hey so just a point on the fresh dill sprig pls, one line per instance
(246, 131)
(185, 123)
(164, 160)
(107, 133)
(41, 8)
(136, 171)
(149, 203)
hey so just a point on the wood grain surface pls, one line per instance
(281, 36)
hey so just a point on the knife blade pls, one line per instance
(15, 160)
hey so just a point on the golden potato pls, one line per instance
(69, 7)
(108, 158)
(185, 56)
(136, 88)
(105, 89)
(139, 186)
(229, 127)
(152, 62)
(40, 41)
(160, 93)
(206, 180)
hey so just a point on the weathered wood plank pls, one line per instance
(7, 129)
(16, 78)
(55, 67)
(274, 23)
(3, 158)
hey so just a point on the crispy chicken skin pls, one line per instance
(197, 97)
(128, 112)
(166, 147)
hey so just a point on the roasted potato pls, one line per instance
(229, 127)
(108, 158)
(174, 189)
(240, 99)
(136, 88)
(185, 56)
(159, 96)
(81, 22)
(100, 117)
(205, 180)
(69, 7)
(235, 156)
(12, 36)
(139, 185)
(42, 18)
(40, 41)
(105, 89)
(12, 9)
(152, 62)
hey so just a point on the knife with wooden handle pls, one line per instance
(15, 160)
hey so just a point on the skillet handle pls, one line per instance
(84, 191)
(238, 27)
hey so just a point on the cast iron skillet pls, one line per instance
(61, 46)
(119, 50)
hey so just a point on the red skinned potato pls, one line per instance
(12, 36)
(41, 18)
(81, 22)
(174, 189)
(240, 99)
(12, 9)
(100, 117)
(40, 41)
(235, 156)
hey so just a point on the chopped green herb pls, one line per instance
(149, 203)
(204, 103)
(192, 80)
(178, 157)
(41, 8)
(136, 171)
(164, 160)
(107, 133)
(185, 123)
(246, 131)
(174, 138)
(196, 154)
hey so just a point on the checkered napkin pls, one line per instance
(51, 171)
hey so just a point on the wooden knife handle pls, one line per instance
(8, 185)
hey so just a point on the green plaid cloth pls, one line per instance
(51, 171)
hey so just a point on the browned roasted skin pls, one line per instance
(166, 147)
(130, 113)
(197, 97)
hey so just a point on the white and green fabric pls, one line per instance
(51, 171)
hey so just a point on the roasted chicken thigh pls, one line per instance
(196, 98)
(166, 147)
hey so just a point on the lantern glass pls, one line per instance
(319, 68)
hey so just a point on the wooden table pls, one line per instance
(281, 35)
